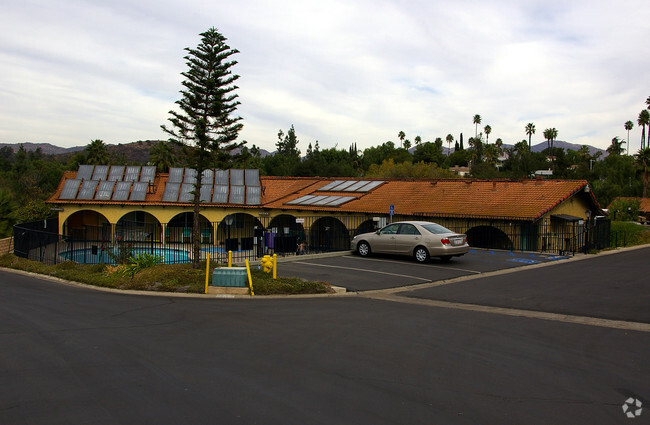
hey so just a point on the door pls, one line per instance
(407, 238)
(385, 240)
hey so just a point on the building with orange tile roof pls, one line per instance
(325, 212)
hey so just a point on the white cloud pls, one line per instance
(341, 71)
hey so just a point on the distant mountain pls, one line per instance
(46, 148)
(135, 152)
(567, 146)
(543, 145)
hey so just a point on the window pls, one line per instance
(436, 229)
(391, 229)
(408, 229)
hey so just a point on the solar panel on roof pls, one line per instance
(70, 189)
(132, 173)
(343, 185)
(236, 194)
(326, 200)
(190, 175)
(207, 177)
(313, 200)
(370, 186)
(329, 186)
(356, 186)
(148, 174)
(121, 192)
(176, 175)
(139, 191)
(222, 177)
(253, 195)
(340, 201)
(186, 194)
(85, 172)
(105, 190)
(171, 192)
(206, 192)
(252, 177)
(117, 173)
(87, 190)
(101, 172)
(301, 199)
(220, 195)
(236, 177)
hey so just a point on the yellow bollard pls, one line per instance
(275, 266)
(229, 258)
(250, 279)
(207, 271)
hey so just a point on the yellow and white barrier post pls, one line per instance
(250, 279)
(207, 272)
(275, 266)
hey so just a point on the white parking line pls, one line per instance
(363, 270)
(415, 264)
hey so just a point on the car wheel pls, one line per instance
(363, 249)
(421, 254)
(445, 258)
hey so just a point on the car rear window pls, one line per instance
(436, 229)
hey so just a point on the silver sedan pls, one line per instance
(420, 239)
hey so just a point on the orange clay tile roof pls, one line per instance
(490, 199)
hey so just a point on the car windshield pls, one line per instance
(436, 229)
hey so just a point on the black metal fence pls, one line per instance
(248, 237)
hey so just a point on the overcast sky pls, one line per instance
(342, 72)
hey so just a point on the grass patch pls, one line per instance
(161, 277)
(627, 233)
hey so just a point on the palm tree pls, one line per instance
(449, 139)
(644, 119)
(550, 134)
(477, 121)
(488, 130)
(96, 153)
(401, 137)
(418, 140)
(629, 125)
(530, 130)
(162, 156)
(643, 160)
(616, 148)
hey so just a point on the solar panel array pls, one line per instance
(321, 200)
(234, 186)
(351, 185)
(109, 183)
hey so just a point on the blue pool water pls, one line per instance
(86, 256)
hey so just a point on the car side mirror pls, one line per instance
(377, 232)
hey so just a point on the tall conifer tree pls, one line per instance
(205, 124)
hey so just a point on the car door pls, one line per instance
(384, 241)
(407, 238)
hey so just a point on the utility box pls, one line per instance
(230, 276)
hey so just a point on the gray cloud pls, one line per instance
(339, 71)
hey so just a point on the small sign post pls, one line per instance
(391, 211)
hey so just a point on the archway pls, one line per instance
(179, 228)
(286, 234)
(88, 225)
(138, 226)
(238, 232)
(328, 234)
(488, 237)
(367, 226)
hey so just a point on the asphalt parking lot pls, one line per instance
(356, 273)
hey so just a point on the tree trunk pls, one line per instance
(196, 231)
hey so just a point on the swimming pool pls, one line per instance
(86, 256)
